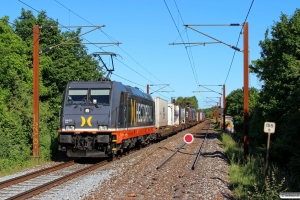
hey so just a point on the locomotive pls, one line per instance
(104, 118)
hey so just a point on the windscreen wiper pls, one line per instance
(77, 105)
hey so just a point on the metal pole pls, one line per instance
(224, 107)
(220, 120)
(267, 157)
(246, 93)
(36, 91)
(147, 88)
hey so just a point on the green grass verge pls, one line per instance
(10, 167)
(247, 178)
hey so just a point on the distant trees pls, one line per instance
(187, 101)
(235, 105)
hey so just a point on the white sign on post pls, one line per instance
(269, 127)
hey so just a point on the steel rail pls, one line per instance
(49, 185)
(170, 156)
(31, 175)
(199, 152)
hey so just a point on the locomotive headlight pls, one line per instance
(102, 127)
(70, 128)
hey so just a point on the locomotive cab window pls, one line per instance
(77, 96)
(100, 96)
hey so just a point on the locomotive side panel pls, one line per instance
(100, 118)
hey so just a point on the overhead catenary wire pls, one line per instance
(188, 46)
(238, 41)
(94, 44)
(182, 41)
(54, 20)
(127, 79)
(112, 39)
(193, 70)
(70, 30)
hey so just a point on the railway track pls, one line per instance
(34, 183)
(158, 172)
(205, 128)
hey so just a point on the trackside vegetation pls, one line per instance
(57, 67)
(247, 178)
(277, 101)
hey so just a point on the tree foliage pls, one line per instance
(235, 106)
(187, 101)
(209, 112)
(279, 70)
(57, 67)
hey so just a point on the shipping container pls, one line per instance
(161, 112)
(176, 114)
(197, 116)
(187, 115)
(182, 115)
(193, 115)
(170, 114)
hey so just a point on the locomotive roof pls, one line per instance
(110, 84)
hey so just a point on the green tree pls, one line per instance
(14, 98)
(209, 112)
(235, 106)
(187, 101)
(67, 62)
(278, 69)
(57, 67)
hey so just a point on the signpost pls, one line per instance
(269, 127)
(188, 138)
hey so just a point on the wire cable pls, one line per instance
(112, 39)
(127, 79)
(182, 41)
(189, 46)
(238, 41)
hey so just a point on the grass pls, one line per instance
(247, 178)
(7, 170)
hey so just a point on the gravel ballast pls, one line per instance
(136, 176)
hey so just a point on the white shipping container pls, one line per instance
(161, 112)
(176, 114)
(171, 114)
(182, 116)
(201, 116)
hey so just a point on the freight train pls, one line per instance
(104, 118)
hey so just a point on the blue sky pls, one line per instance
(145, 28)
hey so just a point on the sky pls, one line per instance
(147, 28)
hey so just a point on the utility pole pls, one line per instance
(224, 107)
(246, 93)
(36, 48)
(36, 54)
(246, 71)
(147, 88)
